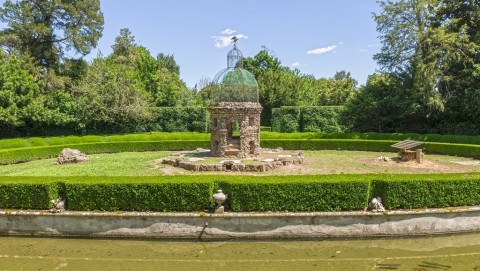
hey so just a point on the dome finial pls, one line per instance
(234, 57)
(234, 40)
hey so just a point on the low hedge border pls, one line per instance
(344, 192)
(18, 155)
(11, 156)
(184, 136)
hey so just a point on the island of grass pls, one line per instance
(124, 173)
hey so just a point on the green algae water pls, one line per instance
(456, 252)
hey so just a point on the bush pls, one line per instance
(27, 193)
(296, 193)
(11, 156)
(328, 144)
(427, 191)
(180, 119)
(245, 193)
(142, 194)
(287, 119)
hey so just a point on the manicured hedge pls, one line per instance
(180, 119)
(287, 119)
(10, 156)
(427, 191)
(26, 154)
(464, 150)
(67, 140)
(156, 136)
(297, 193)
(245, 193)
(328, 144)
(142, 194)
(27, 193)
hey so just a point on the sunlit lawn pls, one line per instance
(316, 162)
(118, 164)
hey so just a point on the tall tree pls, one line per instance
(20, 97)
(47, 29)
(125, 46)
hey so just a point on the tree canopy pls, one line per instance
(48, 29)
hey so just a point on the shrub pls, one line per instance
(10, 156)
(141, 194)
(180, 119)
(427, 191)
(296, 193)
(328, 144)
(287, 119)
(245, 193)
(27, 192)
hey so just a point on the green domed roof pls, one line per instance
(234, 84)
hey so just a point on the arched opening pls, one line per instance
(252, 147)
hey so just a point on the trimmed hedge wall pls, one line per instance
(142, 194)
(287, 119)
(156, 136)
(427, 191)
(297, 193)
(10, 156)
(28, 192)
(245, 193)
(180, 119)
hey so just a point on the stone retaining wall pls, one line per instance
(196, 226)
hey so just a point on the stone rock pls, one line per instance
(376, 205)
(384, 159)
(58, 206)
(71, 156)
(268, 160)
(195, 159)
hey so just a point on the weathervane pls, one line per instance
(234, 40)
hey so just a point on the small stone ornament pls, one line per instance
(58, 206)
(219, 199)
(376, 205)
(68, 156)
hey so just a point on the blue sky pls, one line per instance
(319, 37)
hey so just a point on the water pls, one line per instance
(458, 252)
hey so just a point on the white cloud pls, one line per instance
(228, 31)
(361, 49)
(225, 38)
(296, 64)
(373, 45)
(322, 50)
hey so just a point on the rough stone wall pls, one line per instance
(247, 115)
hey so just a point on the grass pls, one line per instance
(317, 162)
(118, 164)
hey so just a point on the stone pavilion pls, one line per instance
(235, 110)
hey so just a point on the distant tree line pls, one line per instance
(429, 78)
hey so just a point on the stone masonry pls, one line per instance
(223, 116)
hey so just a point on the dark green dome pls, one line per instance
(234, 84)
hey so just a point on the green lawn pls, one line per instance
(117, 164)
(316, 162)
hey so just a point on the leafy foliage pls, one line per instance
(280, 86)
(426, 191)
(299, 193)
(306, 119)
(19, 94)
(46, 29)
(145, 194)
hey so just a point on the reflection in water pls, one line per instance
(457, 252)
